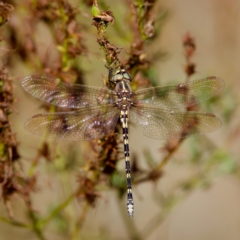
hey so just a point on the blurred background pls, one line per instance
(55, 194)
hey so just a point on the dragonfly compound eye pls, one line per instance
(119, 75)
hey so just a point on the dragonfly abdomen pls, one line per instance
(124, 121)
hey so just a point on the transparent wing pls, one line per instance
(164, 124)
(66, 95)
(181, 95)
(77, 125)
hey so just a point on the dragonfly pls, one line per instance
(94, 111)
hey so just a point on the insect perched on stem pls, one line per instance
(97, 111)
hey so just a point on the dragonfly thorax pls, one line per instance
(124, 95)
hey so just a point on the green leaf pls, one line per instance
(95, 11)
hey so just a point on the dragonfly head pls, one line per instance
(120, 74)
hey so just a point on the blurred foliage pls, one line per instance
(70, 30)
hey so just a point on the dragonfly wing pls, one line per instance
(77, 125)
(66, 95)
(165, 124)
(180, 95)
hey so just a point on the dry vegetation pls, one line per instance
(82, 178)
